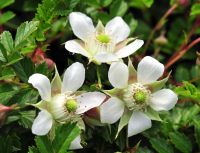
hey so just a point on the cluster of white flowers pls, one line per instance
(134, 91)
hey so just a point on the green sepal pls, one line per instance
(81, 124)
(123, 121)
(42, 105)
(157, 85)
(115, 92)
(124, 43)
(132, 72)
(100, 27)
(56, 83)
(152, 114)
(93, 122)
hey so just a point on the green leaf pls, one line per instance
(24, 31)
(181, 142)
(6, 96)
(33, 149)
(5, 3)
(148, 3)
(5, 17)
(188, 90)
(13, 58)
(105, 3)
(118, 8)
(26, 118)
(9, 143)
(44, 144)
(7, 42)
(63, 141)
(197, 131)
(7, 73)
(24, 69)
(195, 9)
(161, 145)
(3, 54)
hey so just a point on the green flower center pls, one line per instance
(103, 38)
(71, 105)
(140, 96)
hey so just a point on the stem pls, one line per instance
(159, 25)
(179, 54)
(99, 77)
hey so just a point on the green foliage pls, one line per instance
(181, 142)
(64, 135)
(195, 9)
(47, 28)
(24, 32)
(161, 145)
(188, 90)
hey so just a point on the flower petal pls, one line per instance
(42, 84)
(74, 46)
(104, 57)
(89, 100)
(111, 110)
(76, 143)
(74, 77)
(117, 29)
(118, 74)
(164, 99)
(130, 48)
(138, 123)
(149, 70)
(42, 123)
(81, 24)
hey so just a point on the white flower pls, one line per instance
(61, 101)
(134, 92)
(101, 45)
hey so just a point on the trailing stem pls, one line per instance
(159, 25)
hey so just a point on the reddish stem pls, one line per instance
(179, 54)
(159, 25)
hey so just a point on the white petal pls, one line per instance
(164, 99)
(104, 57)
(117, 29)
(76, 143)
(130, 48)
(138, 123)
(118, 74)
(149, 70)
(74, 46)
(89, 100)
(42, 84)
(74, 77)
(81, 24)
(42, 123)
(111, 110)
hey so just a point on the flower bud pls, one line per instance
(183, 3)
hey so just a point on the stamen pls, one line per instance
(136, 96)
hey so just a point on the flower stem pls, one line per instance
(99, 77)
(179, 54)
(159, 25)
